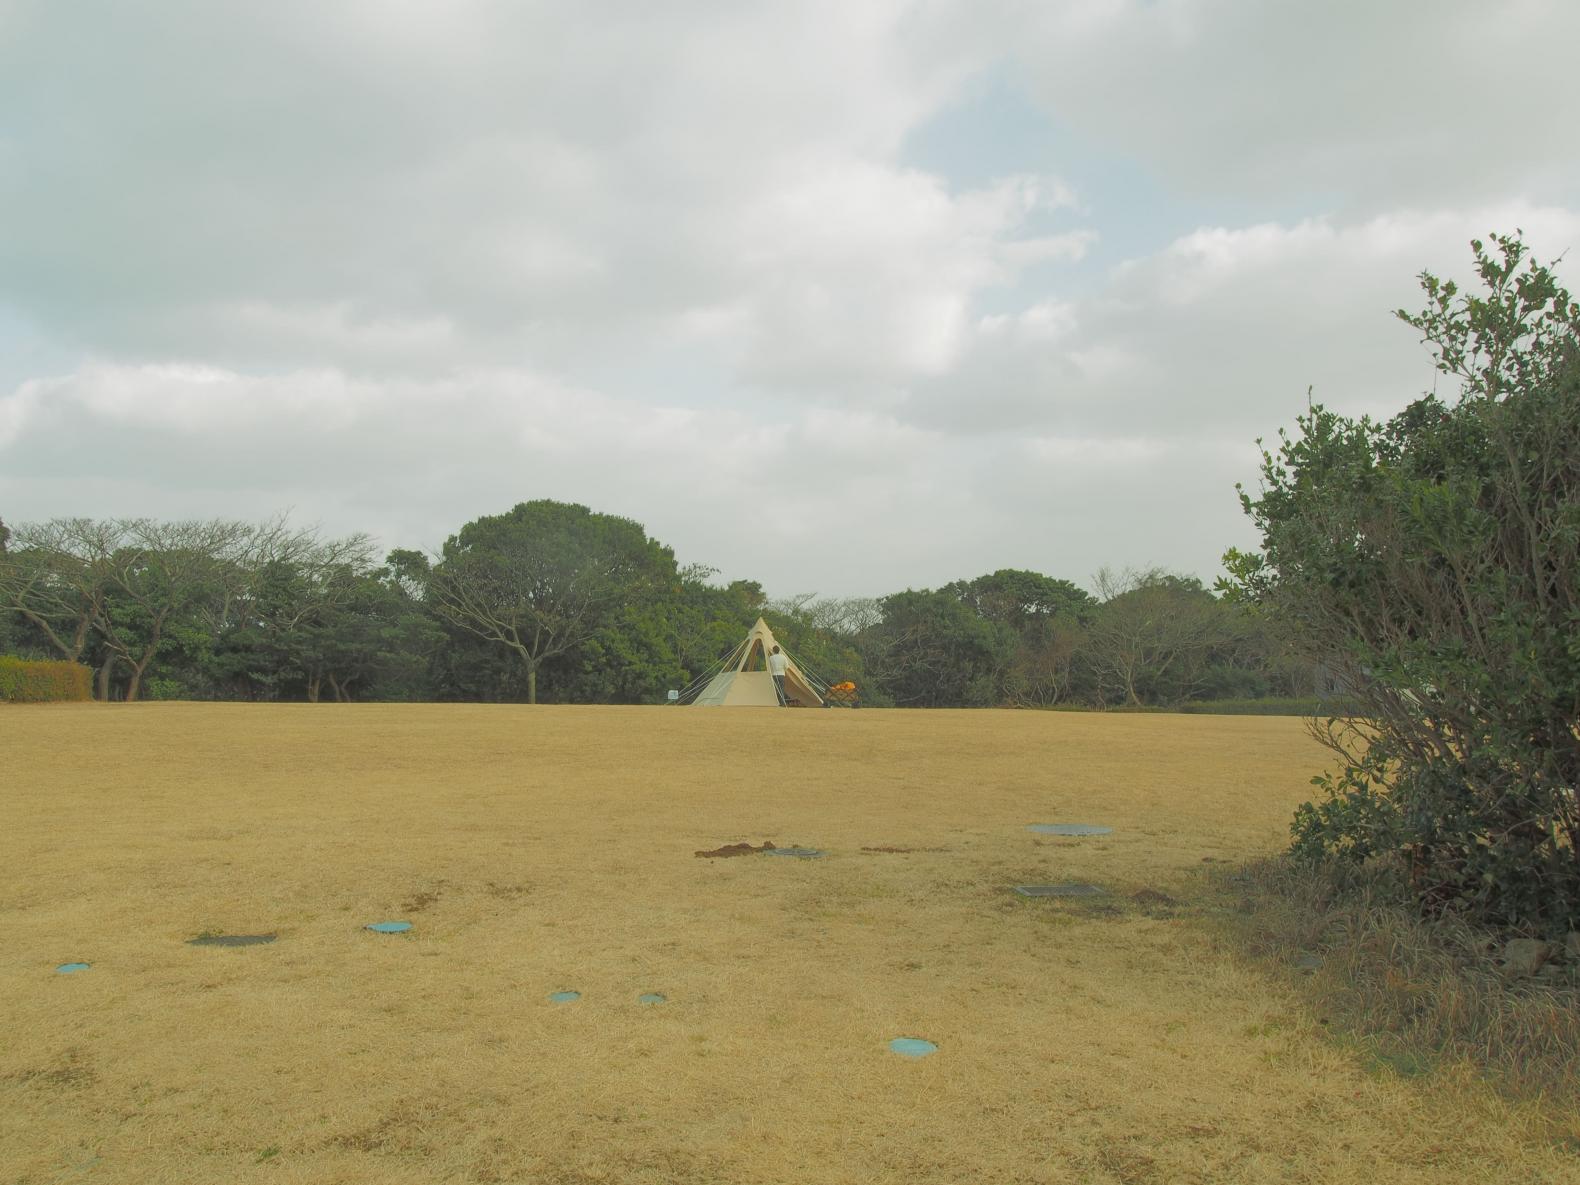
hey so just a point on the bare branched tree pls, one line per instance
(55, 575)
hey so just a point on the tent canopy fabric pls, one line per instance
(742, 679)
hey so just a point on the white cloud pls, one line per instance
(858, 274)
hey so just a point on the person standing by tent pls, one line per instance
(778, 662)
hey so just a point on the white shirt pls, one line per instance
(777, 663)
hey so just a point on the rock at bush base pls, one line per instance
(1525, 956)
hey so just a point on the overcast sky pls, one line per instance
(845, 297)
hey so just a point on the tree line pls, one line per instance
(554, 602)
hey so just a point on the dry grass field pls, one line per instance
(1105, 1040)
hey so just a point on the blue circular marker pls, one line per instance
(797, 853)
(1070, 829)
(564, 997)
(68, 968)
(390, 927)
(912, 1047)
(652, 998)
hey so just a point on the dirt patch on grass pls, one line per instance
(735, 849)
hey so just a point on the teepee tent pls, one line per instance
(742, 679)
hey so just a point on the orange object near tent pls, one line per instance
(843, 694)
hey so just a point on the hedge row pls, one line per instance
(25, 682)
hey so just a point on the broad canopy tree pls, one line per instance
(1154, 636)
(56, 577)
(932, 651)
(1048, 618)
(541, 578)
(295, 606)
(161, 572)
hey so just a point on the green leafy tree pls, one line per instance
(306, 604)
(1153, 637)
(370, 643)
(931, 650)
(626, 660)
(1434, 560)
(407, 637)
(55, 576)
(9, 641)
(1021, 599)
(159, 574)
(541, 579)
(1047, 616)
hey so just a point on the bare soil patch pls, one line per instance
(736, 849)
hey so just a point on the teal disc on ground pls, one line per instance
(564, 997)
(390, 927)
(652, 998)
(68, 968)
(1070, 829)
(912, 1047)
(798, 853)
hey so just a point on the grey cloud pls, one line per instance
(533, 177)
(1404, 102)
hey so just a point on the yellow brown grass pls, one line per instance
(1107, 1041)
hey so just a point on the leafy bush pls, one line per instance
(26, 682)
(1434, 561)
(1355, 819)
